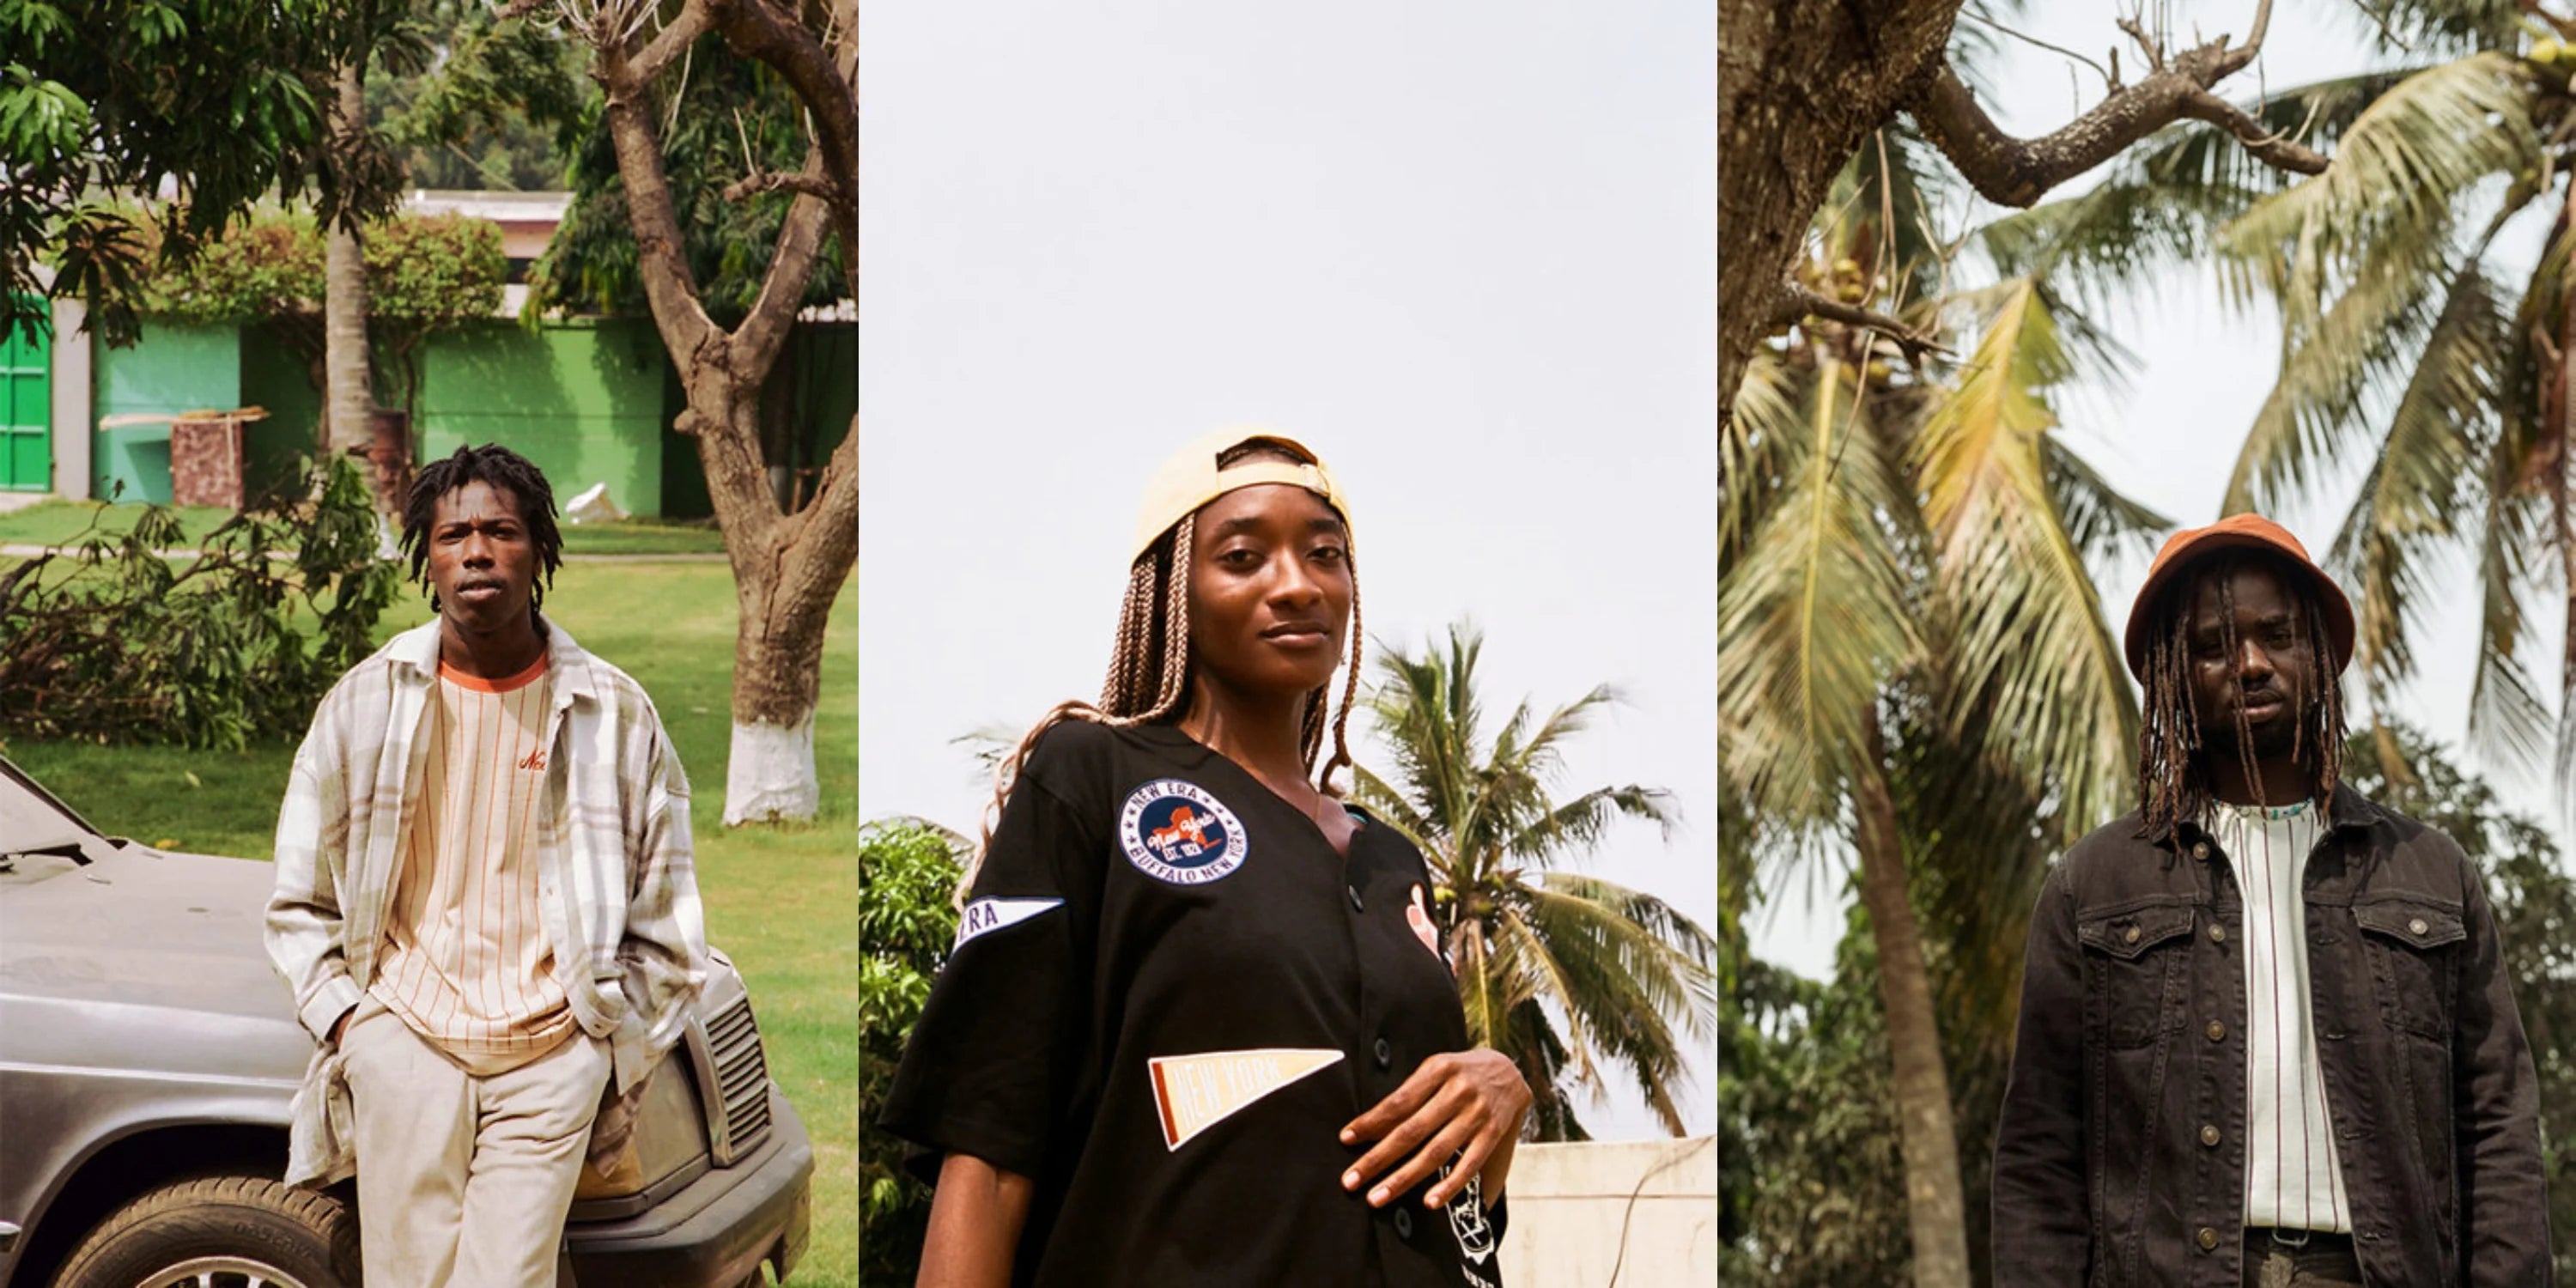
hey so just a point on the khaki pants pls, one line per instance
(463, 1181)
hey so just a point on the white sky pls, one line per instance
(2170, 433)
(1464, 250)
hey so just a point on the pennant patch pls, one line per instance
(1195, 1092)
(1179, 832)
(987, 915)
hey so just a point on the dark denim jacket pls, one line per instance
(2132, 1043)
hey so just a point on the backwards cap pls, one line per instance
(1192, 478)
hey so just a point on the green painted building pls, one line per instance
(588, 400)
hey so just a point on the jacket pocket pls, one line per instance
(2133, 958)
(2413, 947)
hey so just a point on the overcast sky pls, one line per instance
(2169, 434)
(1465, 251)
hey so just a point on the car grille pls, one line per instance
(740, 1096)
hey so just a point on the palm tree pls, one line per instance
(1562, 971)
(1913, 665)
(2412, 337)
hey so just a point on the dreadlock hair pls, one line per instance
(2175, 784)
(506, 471)
(1150, 666)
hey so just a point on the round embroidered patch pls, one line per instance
(1179, 832)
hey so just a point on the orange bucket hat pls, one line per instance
(2235, 532)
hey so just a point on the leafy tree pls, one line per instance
(426, 274)
(113, 641)
(908, 873)
(221, 99)
(1802, 88)
(1913, 665)
(1618, 968)
(788, 561)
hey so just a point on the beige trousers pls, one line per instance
(464, 1181)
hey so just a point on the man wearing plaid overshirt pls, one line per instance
(484, 904)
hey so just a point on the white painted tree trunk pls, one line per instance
(771, 774)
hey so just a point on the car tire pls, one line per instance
(238, 1230)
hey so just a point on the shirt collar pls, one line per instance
(567, 663)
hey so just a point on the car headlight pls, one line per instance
(670, 1136)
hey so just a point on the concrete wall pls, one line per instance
(71, 416)
(171, 369)
(1627, 1214)
(583, 400)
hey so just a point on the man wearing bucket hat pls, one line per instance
(2266, 1032)
(1199, 1026)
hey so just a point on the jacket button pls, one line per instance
(2132, 936)
(1385, 1054)
(2208, 1134)
(2208, 1238)
(2200, 849)
(2217, 1031)
(2218, 934)
(2417, 927)
(1356, 905)
(1403, 1223)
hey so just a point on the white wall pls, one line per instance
(1634, 1214)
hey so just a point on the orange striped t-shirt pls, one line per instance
(466, 961)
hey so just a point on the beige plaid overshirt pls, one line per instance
(614, 877)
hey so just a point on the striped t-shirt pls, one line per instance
(2293, 1178)
(466, 960)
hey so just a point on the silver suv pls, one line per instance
(148, 1053)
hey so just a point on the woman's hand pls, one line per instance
(1464, 1103)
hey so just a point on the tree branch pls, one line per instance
(2017, 172)
(812, 185)
(757, 29)
(1797, 303)
(685, 27)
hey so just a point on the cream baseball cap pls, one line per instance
(1191, 479)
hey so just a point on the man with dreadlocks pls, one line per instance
(484, 902)
(1198, 1027)
(2266, 1036)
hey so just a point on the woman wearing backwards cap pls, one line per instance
(1198, 1027)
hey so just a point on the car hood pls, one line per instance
(144, 960)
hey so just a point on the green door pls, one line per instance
(26, 411)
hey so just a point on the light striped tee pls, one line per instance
(466, 961)
(2293, 1178)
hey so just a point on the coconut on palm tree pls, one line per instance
(1564, 972)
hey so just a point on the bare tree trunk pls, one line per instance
(1936, 1201)
(348, 396)
(787, 568)
(1798, 87)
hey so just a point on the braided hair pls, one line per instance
(1150, 666)
(506, 471)
(2175, 784)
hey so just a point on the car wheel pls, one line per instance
(220, 1232)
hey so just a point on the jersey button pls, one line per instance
(1403, 1223)
(1385, 1054)
(2208, 1239)
(1356, 905)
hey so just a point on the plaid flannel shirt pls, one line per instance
(614, 876)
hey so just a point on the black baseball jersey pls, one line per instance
(1168, 995)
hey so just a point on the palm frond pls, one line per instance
(1812, 618)
(2101, 521)
(2410, 501)
(2032, 655)
(1752, 451)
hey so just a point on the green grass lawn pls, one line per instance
(782, 902)
(54, 523)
